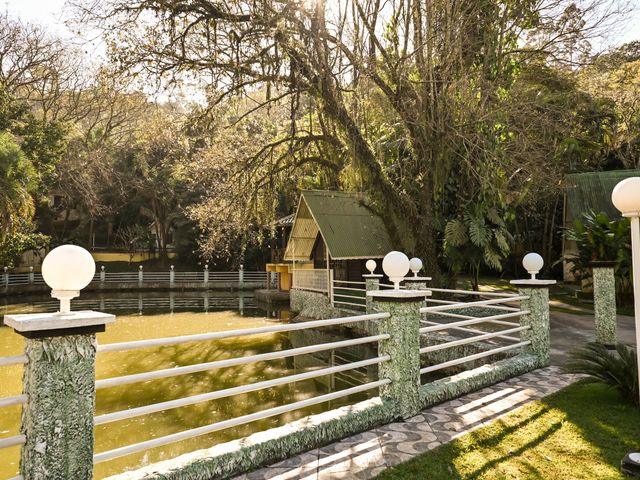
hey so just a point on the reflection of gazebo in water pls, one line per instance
(333, 233)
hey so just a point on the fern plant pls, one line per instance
(477, 237)
(615, 368)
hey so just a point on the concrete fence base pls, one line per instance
(232, 458)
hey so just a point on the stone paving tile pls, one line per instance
(304, 461)
(365, 455)
(403, 441)
(353, 454)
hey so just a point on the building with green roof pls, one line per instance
(336, 230)
(589, 191)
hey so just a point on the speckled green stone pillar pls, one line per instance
(59, 379)
(538, 318)
(403, 347)
(371, 284)
(58, 419)
(415, 284)
(604, 302)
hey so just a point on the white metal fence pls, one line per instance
(315, 280)
(228, 392)
(19, 439)
(487, 325)
(240, 277)
(456, 332)
(142, 303)
(350, 295)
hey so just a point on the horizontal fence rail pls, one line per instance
(13, 441)
(476, 356)
(475, 292)
(234, 422)
(450, 340)
(14, 360)
(159, 342)
(228, 392)
(14, 400)
(349, 295)
(459, 305)
(232, 362)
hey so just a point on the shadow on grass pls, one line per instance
(581, 432)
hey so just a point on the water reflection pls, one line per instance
(147, 315)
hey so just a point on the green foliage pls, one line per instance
(618, 369)
(17, 182)
(477, 237)
(42, 142)
(23, 240)
(598, 238)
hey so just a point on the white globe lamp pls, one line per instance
(396, 266)
(67, 270)
(532, 263)
(415, 264)
(371, 266)
(626, 197)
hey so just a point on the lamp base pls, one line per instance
(63, 332)
(630, 465)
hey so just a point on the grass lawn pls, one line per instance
(580, 432)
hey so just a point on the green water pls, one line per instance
(225, 312)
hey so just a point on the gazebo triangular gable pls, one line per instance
(348, 228)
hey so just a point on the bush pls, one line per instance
(600, 239)
(616, 368)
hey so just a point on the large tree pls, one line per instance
(415, 93)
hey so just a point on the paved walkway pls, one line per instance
(571, 330)
(367, 454)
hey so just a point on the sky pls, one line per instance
(51, 13)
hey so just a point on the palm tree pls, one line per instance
(17, 181)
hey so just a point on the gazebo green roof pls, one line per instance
(348, 227)
(592, 191)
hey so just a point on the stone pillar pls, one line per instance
(604, 303)
(371, 284)
(403, 327)
(206, 275)
(241, 277)
(538, 318)
(59, 379)
(172, 276)
(417, 283)
(31, 276)
(140, 276)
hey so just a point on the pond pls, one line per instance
(149, 315)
